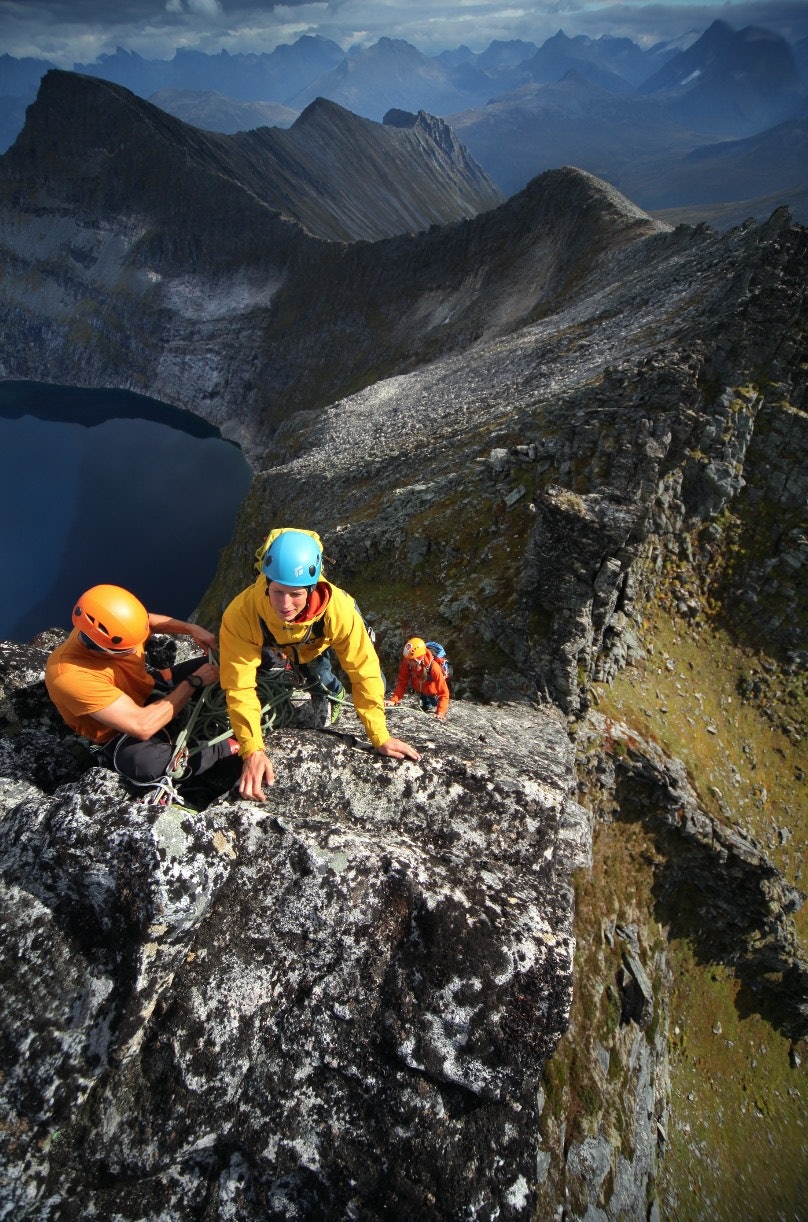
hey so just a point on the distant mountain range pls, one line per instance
(669, 126)
(215, 112)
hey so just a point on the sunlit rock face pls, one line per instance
(337, 1003)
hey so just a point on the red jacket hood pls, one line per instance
(317, 602)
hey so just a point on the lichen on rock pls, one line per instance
(335, 992)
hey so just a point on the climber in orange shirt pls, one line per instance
(99, 682)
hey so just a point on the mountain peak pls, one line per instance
(341, 177)
(323, 108)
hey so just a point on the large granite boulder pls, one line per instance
(337, 1003)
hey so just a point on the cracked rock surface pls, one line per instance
(337, 1003)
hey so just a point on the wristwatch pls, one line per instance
(195, 682)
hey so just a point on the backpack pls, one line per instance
(439, 654)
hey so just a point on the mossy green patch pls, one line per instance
(586, 1081)
(742, 754)
(738, 1134)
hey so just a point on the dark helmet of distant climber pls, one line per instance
(293, 559)
(111, 618)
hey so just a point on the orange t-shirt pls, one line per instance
(81, 682)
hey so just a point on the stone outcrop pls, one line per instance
(339, 1002)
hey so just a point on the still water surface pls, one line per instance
(107, 486)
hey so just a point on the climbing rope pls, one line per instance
(205, 722)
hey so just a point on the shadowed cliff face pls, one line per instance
(143, 253)
(341, 999)
(339, 176)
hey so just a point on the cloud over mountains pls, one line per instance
(70, 31)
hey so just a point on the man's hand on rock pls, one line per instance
(398, 750)
(256, 772)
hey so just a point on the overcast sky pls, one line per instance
(78, 31)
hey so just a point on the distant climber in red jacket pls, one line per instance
(424, 674)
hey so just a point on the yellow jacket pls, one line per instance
(241, 640)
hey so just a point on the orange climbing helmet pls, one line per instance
(111, 618)
(415, 648)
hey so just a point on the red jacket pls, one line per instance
(426, 677)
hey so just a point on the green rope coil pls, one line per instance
(205, 721)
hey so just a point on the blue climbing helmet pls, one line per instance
(293, 559)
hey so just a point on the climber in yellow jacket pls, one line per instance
(293, 609)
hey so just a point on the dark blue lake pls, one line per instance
(108, 486)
